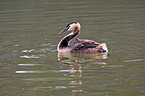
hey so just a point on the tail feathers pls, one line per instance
(104, 47)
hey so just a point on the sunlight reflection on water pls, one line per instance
(25, 72)
(135, 60)
(26, 64)
(32, 56)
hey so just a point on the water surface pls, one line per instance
(31, 66)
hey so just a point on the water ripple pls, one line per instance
(25, 72)
(26, 56)
(135, 60)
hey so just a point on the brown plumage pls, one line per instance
(80, 46)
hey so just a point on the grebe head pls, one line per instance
(73, 26)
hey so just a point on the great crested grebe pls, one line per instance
(80, 46)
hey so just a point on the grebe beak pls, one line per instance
(64, 30)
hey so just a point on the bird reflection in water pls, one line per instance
(72, 65)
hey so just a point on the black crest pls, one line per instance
(71, 23)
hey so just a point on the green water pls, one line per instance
(31, 66)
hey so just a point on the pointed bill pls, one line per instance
(64, 30)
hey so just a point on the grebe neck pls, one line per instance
(65, 41)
